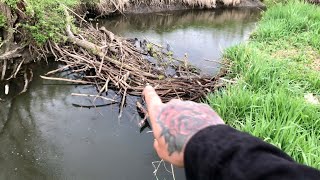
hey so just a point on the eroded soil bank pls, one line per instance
(143, 8)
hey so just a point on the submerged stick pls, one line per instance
(93, 106)
(145, 112)
(67, 80)
(26, 83)
(95, 96)
(122, 103)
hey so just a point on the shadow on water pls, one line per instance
(44, 134)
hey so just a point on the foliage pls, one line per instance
(275, 71)
(2, 20)
(48, 19)
(11, 3)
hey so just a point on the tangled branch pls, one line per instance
(108, 61)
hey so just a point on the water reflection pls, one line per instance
(22, 147)
(170, 21)
(201, 34)
(43, 136)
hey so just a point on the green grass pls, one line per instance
(274, 70)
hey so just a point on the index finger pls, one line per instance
(154, 104)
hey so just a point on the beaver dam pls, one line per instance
(47, 134)
(95, 54)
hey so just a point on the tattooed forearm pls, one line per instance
(180, 120)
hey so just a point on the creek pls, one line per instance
(44, 134)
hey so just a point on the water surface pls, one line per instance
(44, 134)
(201, 35)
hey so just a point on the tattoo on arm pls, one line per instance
(181, 120)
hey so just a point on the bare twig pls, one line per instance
(67, 80)
(172, 171)
(145, 112)
(4, 69)
(122, 103)
(26, 82)
(92, 106)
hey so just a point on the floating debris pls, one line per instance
(310, 98)
(6, 89)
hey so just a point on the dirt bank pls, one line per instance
(145, 8)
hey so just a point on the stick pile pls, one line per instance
(111, 62)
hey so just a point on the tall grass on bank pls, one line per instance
(275, 70)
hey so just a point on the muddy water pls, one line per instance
(44, 134)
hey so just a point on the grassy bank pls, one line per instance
(276, 71)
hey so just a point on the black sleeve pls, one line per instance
(223, 153)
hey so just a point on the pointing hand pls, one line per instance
(175, 122)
